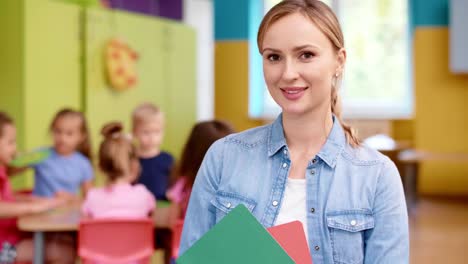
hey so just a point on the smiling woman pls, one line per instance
(369, 91)
(299, 63)
(307, 165)
(296, 60)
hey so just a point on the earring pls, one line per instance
(336, 75)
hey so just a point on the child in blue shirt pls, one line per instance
(68, 168)
(156, 165)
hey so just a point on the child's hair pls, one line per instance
(85, 146)
(117, 154)
(143, 112)
(201, 137)
(4, 120)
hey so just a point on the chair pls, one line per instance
(115, 240)
(176, 234)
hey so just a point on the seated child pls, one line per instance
(156, 165)
(16, 246)
(201, 137)
(118, 160)
(68, 167)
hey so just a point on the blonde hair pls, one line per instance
(117, 154)
(323, 17)
(143, 112)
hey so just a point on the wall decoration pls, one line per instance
(120, 61)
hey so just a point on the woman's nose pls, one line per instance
(290, 71)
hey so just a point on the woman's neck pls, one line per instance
(307, 133)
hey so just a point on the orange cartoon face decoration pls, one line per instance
(121, 65)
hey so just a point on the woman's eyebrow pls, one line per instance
(270, 49)
(304, 46)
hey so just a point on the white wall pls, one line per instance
(200, 15)
(458, 36)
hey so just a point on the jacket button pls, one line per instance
(317, 248)
(275, 203)
(312, 210)
(228, 205)
(285, 165)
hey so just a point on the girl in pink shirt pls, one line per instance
(16, 246)
(201, 137)
(119, 162)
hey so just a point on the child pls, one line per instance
(15, 245)
(119, 162)
(148, 129)
(68, 167)
(201, 137)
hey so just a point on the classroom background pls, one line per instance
(406, 87)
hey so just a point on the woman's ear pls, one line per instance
(341, 60)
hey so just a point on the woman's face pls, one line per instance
(299, 64)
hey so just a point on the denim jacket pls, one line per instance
(356, 211)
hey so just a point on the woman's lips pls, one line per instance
(293, 93)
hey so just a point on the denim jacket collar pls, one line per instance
(276, 139)
(329, 152)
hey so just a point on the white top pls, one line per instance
(293, 206)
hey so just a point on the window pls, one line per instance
(376, 79)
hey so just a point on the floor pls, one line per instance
(439, 232)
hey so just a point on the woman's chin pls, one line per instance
(293, 110)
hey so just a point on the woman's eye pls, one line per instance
(307, 55)
(273, 57)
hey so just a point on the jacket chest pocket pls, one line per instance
(347, 234)
(224, 202)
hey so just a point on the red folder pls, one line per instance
(292, 239)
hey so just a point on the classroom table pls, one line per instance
(408, 160)
(67, 218)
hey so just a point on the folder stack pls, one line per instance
(240, 238)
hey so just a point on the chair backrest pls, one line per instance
(115, 240)
(176, 234)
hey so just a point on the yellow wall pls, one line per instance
(441, 112)
(11, 66)
(52, 69)
(41, 70)
(403, 130)
(231, 82)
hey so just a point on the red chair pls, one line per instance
(176, 234)
(116, 241)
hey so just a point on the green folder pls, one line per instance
(237, 238)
